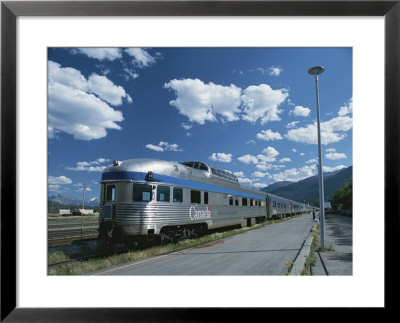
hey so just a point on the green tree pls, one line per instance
(344, 196)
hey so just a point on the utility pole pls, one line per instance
(83, 207)
(316, 70)
(84, 189)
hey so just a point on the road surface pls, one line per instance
(261, 251)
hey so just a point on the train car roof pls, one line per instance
(138, 169)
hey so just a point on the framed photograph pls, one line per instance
(39, 42)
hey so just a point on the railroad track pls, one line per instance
(64, 234)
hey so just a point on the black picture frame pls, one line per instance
(10, 10)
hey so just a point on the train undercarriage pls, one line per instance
(169, 234)
(173, 234)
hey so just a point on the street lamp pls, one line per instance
(316, 70)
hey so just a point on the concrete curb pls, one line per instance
(302, 256)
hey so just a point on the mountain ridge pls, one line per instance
(68, 200)
(308, 189)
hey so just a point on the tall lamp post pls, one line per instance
(316, 70)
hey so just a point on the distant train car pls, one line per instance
(298, 208)
(279, 207)
(148, 198)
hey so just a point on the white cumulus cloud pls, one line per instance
(186, 126)
(80, 107)
(247, 159)
(332, 131)
(221, 157)
(300, 111)
(268, 156)
(292, 124)
(269, 135)
(141, 57)
(154, 147)
(60, 180)
(262, 102)
(99, 53)
(332, 169)
(90, 166)
(270, 151)
(258, 174)
(275, 71)
(312, 161)
(245, 180)
(106, 90)
(202, 102)
(295, 174)
(162, 146)
(346, 109)
(335, 156)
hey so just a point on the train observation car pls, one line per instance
(148, 199)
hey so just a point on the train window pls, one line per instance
(251, 202)
(163, 193)
(205, 197)
(230, 200)
(236, 202)
(244, 201)
(142, 192)
(203, 167)
(190, 164)
(195, 196)
(110, 194)
(178, 195)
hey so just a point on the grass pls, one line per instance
(312, 258)
(328, 247)
(288, 267)
(57, 257)
(72, 219)
(79, 268)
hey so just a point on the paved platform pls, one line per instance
(339, 237)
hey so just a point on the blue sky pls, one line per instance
(251, 111)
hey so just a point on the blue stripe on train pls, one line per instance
(140, 176)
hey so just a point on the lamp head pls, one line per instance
(316, 70)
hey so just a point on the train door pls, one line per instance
(267, 209)
(110, 198)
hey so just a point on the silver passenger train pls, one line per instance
(149, 198)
